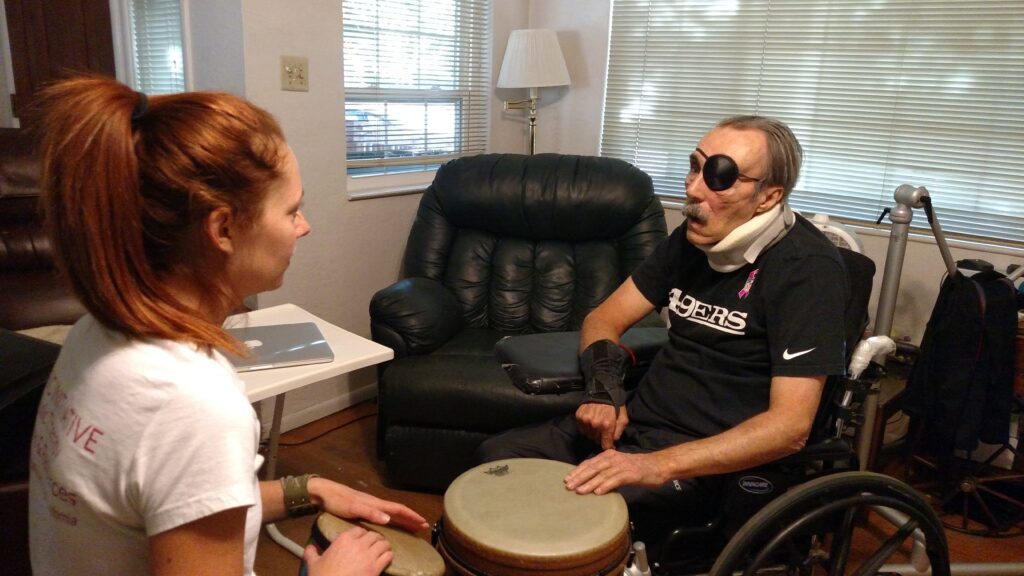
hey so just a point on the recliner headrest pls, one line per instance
(546, 196)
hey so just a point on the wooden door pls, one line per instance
(53, 38)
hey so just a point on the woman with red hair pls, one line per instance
(165, 213)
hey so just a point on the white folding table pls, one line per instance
(351, 352)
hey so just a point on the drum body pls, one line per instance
(413, 556)
(515, 517)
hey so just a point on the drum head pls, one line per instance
(518, 512)
(413, 556)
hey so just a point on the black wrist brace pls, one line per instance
(603, 364)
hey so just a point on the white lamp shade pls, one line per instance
(533, 59)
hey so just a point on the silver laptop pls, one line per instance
(280, 345)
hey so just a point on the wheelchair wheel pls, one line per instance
(810, 530)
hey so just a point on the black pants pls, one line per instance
(653, 511)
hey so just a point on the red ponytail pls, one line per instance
(126, 200)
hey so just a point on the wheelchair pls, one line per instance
(813, 512)
(834, 519)
(812, 527)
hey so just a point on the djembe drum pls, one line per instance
(515, 517)
(412, 556)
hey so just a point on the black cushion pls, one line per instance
(549, 363)
(423, 311)
(26, 366)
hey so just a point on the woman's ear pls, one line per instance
(220, 224)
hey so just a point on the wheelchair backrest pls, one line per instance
(860, 272)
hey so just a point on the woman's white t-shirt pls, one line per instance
(133, 438)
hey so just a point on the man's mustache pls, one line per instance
(692, 211)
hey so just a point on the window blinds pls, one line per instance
(416, 82)
(882, 93)
(156, 38)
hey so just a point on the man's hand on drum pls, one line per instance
(355, 552)
(611, 469)
(599, 423)
(345, 502)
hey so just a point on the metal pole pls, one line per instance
(275, 438)
(907, 198)
(271, 472)
(529, 104)
(533, 120)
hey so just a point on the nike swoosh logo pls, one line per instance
(787, 356)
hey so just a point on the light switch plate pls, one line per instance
(295, 73)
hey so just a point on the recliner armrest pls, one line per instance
(414, 316)
(549, 363)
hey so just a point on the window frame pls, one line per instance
(418, 178)
(124, 45)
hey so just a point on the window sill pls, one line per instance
(952, 239)
(369, 187)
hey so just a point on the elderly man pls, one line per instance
(755, 297)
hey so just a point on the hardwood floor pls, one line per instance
(342, 447)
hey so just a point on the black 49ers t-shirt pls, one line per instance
(731, 332)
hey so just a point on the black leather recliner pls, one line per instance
(502, 244)
(32, 294)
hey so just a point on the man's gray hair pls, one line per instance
(784, 151)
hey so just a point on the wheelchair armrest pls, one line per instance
(548, 363)
(839, 414)
(825, 450)
(414, 316)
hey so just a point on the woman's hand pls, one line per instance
(355, 552)
(346, 502)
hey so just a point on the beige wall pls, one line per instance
(355, 247)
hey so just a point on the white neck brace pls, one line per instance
(744, 244)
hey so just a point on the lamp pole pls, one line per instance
(531, 104)
(533, 120)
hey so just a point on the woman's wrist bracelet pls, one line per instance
(296, 495)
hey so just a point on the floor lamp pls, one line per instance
(533, 59)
